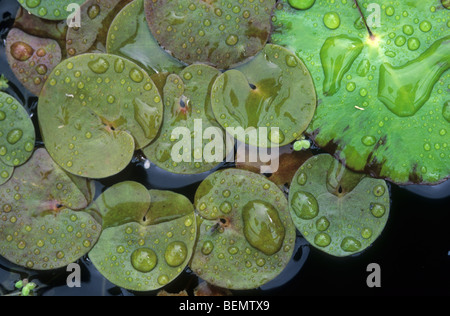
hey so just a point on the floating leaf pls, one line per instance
(17, 135)
(383, 102)
(43, 224)
(31, 58)
(188, 116)
(274, 90)
(220, 33)
(130, 37)
(50, 9)
(95, 110)
(246, 233)
(338, 211)
(148, 236)
(96, 17)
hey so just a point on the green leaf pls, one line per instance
(383, 107)
(338, 211)
(17, 135)
(95, 110)
(246, 235)
(44, 225)
(130, 37)
(49, 9)
(219, 33)
(148, 239)
(273, 90)
(188, 109)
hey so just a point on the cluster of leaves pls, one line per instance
(136, 70)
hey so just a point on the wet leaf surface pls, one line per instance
(17, 135)
(221, 34)
(95, 110)
(148, 236)
(245, 229)
(129, 36)
(44, 225)
(383, 106)
(50, 9)
(182, 145)
(32, 58)
(338, 211)
(273, 90)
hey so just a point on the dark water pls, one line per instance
(413, 252)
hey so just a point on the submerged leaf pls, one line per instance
(245, 229)
(338, 211)
(383, 102)
(44, 225)
(219, 33)
(148, 238)
(95, 110)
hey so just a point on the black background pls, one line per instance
(413, 252)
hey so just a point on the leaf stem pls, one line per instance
(364, 20)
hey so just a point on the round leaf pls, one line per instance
(338, 211)
(220, 33)
(95, 110)
(130, 37)
(274, 90)
(246, 234)
(188, 112)
(17, 135)
(50, 9)
(43, 224)
(148, 238)
(383, 102)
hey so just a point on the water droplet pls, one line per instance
(21, 51)
(332, 20)
(305, 205)
(379, 190)
(207, 247)
(413, 43)
(291, 61)
(366, 233)
(99, 66)
(119, 65)
(60, 254)
(408, 29)
(350, 244)
(425, 26)
(263, 228)
(446, 111)
(368, 140)
(377, 210)
(14, 136)
(302, 178)
(163, 279)
(176, 253)
(232, 40)
(136, 75)
(322, 239)
(41, 69)
(144, 260)
(33, 3)
(120, 249)
(2, 116)
(276, 136)
(390, 11)
(93, 11)
(225, 207)
(301, 4)
(322, 224)
(226, 193)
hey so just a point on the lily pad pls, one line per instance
(338, 211)
(32, 58)
(273, 90)
(148, 236)
(382, 94)
(44, 225)
(95, 110)
(246, 235)
(95, 17)
(130, 37)
(17, 134)
(49, 9)
(181, 146)
(219, 33)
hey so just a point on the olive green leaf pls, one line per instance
(338, 211)
(17, 134)
(383, 101)
(246, 235)
(148, 236)
(95, 110)
(219, 33)
(31, 58)
(130, 37)
(273, 90)
(50, 9)
(188, 106)
(44, 225)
